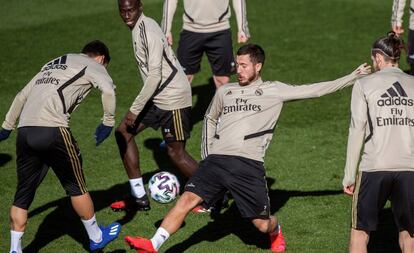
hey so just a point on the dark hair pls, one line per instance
(389, 46)
(97, 48)
(256, 53)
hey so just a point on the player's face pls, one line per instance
(130, 11)
(247, 71)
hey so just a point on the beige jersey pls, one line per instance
(164, 80)
(55, 92)
(382, 117)
(241, 119)
(205, 16)
(398, 13)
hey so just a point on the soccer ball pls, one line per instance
(164, 187)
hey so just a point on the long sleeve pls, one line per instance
(359, 117)
(210, 123)
(292, 92)
(239, 7)
(16, 107)
(153, 80)
(397, 12)
(167, 15)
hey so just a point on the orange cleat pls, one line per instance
(277, 242)
(140, 244)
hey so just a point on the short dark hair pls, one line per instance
(97, 48)
(389, 46)
(256, 53)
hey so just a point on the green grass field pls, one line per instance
(305, 41)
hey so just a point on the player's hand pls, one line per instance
(363, 69)
(102, 132)
(349, 190)
(242, 37)
(4, 134)
(398, 30)
(169, 38)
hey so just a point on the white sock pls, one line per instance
(16, 241)
(94, 232)
(137, 187)
(159, 238)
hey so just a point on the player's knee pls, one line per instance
(175, 152)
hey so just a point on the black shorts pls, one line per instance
(372, 191)
(39, 148)
(243, 177)
(175, 125)
(217, 46)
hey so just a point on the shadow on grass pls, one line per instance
(4, 159)
(385, 239)
(64, 221)
(230, 222)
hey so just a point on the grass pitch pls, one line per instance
(305, 41)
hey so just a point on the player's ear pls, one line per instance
(258, 67)
(100, 59)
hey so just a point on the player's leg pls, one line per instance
(189, 52)
(66, 161)
(176, 130)
(205, 184)
(372, 190)
(129, 127)
(402, 204)
(219, 51)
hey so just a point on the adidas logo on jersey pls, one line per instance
(395, 95)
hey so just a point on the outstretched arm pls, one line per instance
(359, 118)
(243, 34)
(167, 17)
(291, 92)
(397, 15)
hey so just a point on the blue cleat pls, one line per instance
(109, 234)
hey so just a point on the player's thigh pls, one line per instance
(66, 161)
(31, 169)
(190, 51)
(248, 187)
(219, 50)
(175, 124)
(208, 180)
(402, 200)
(371, 193)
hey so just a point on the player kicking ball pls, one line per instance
(234, 152)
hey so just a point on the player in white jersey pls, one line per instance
(396, 24)
(382, 121)
(42, 109)
(206, 29)
(234, 150)
(164, 101)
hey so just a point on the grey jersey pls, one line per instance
(241, 119)
(382, 117)
(205, 16)
(55, 92)
(164, 80)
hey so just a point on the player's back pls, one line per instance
(389, 142)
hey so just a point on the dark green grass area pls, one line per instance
(305, 41)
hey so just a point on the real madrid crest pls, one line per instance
(258, 92)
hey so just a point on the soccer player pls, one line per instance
(382, 120)
(43, 108)
(396, 24)
(234, 148)
(206, 29)
(164, 101)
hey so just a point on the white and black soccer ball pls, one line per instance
(164, 187)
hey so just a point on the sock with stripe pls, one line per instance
(159, 238)
(16, 241)
(137, 187)
(93, 230)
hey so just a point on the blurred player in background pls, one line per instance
(234, 152)
(382, 120)
(396, 24)
(43, 108)
(206, 29)
(164, 101)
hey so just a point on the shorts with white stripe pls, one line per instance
(175, 125)
(39, 148)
